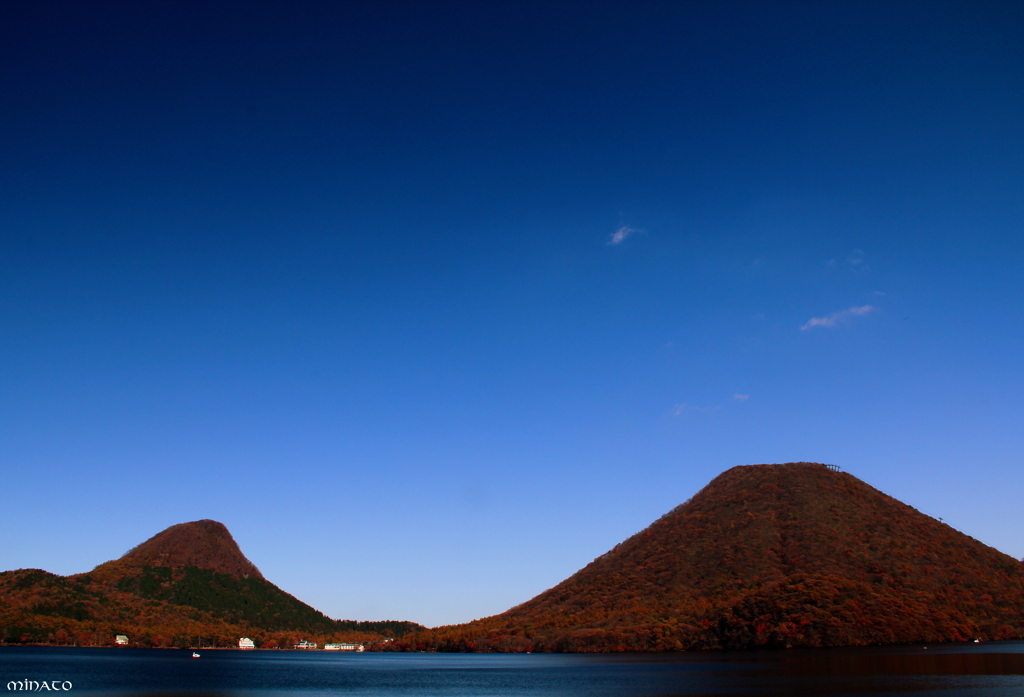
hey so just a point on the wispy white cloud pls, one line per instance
(741, 397)
(837, 317)
(620, 235)
(684, 408)
(856, 261)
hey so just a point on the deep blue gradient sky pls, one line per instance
(433, 303)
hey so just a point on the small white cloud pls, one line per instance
(684, 408)
(837, 317)
(856, 258)
(879, 292)
(620, 235)
(741, 397)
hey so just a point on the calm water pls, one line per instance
(988, 670)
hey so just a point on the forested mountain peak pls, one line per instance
(185, 584)
(795, 554)
(205, 544)
(762, 523)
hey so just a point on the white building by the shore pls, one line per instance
(246, 643)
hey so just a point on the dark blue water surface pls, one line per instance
(994, 669)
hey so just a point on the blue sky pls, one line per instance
(433, 303)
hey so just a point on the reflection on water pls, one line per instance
(985, 670)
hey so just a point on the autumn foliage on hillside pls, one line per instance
(768, 556)
(189, 585)
(204, 544)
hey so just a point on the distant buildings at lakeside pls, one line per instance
(247, 643)
(330, 647)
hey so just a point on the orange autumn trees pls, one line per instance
(189, 585)
(768, 556)
(763, 556)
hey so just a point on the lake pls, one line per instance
(971, 670)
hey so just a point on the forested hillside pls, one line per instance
(768, 556)
(188, 585)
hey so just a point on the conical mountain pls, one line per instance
(771, 555)
(203, 544)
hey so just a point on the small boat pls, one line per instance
(195, 655)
